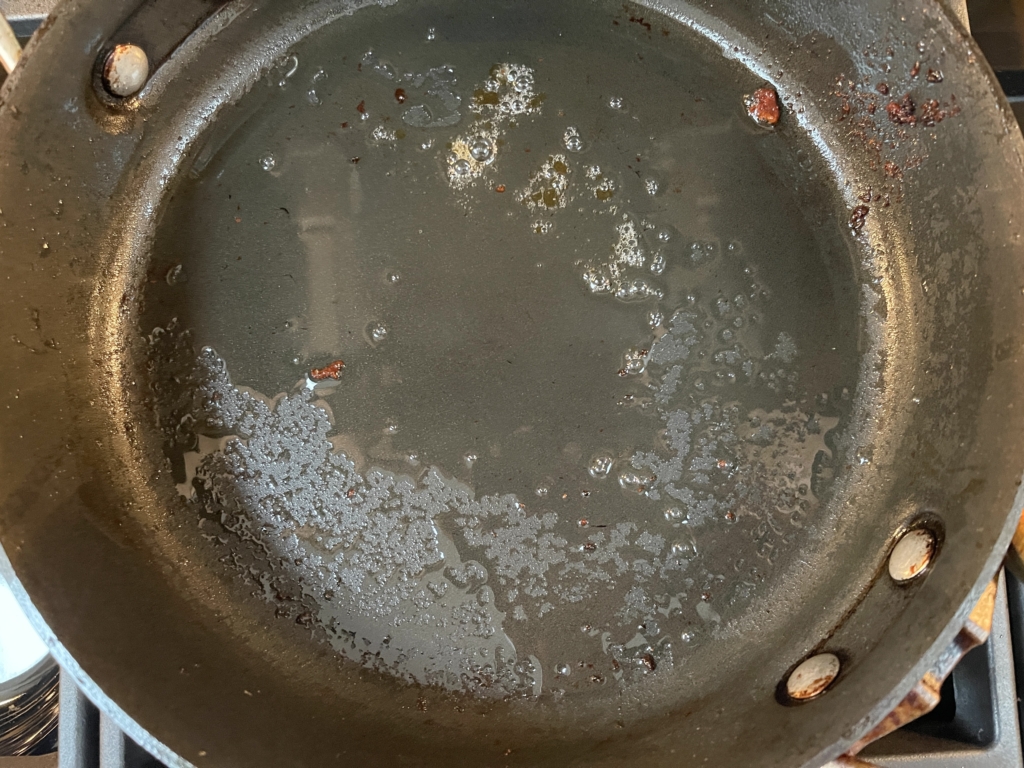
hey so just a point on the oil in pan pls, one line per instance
(471, 354)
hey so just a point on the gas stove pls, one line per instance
(47, 720)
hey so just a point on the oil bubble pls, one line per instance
(268, 162)
(176, 275)
(617, 102)
(573, 141)
(481, 150)
(600, 466)
(635, 362)
(684, 548)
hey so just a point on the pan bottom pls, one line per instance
(506, 353)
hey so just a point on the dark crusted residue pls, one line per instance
(763, 105)
(902, 112)
(857, 217)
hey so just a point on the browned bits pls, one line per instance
(590, 547)
(882, 88)
(763, 105)
(934, 76)
(857, 217)
(361, 107)
(902, 112)
(400, 95)
(329, 371)
(892, 170)
(932, 113)
(649, 661)
(500, 188)
(916, 69)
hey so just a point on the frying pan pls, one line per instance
(638, 395)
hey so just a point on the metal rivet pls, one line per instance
(911, 555)
(125, 70)
(812, 677)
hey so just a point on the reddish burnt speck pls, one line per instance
(361, 107)
(932, 113)
(500, 188)
(329, 371)
(649, 661)
(882, 88)
(934, 76)
(590, 547)
(893, 171)
(902, 112)
(344, 125)
(857, 217)
(916, 69)
(763, 105)
(354, 160)
(639, 20)
(871, 108)
(400, 95)
(730, 516)
(350, 493)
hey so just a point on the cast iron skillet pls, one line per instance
(914, 219)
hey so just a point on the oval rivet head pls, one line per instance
(125, 70)
(911, 555)
(812, 677)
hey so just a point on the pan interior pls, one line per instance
(599, 333)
